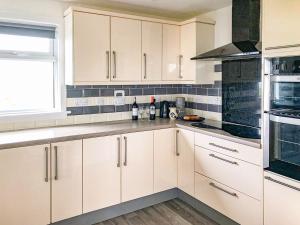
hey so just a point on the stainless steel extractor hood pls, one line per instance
(245, 34)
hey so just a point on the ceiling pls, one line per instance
(180, 9)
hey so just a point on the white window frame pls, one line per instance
(59, 109)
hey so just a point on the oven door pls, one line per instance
(285, 92)
(284, 145)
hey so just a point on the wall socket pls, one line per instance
(119, 97)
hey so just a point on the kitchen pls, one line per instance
(149, 112)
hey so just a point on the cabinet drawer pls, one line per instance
(240, 175)
(239, 151)
(237, 206)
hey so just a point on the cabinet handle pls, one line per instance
(222, 189)
(177, 150)
(283, 47)
(47, 166)
(225, 160)
(222, 147)
(56, 162)
(180, 65)
(281, 183)
(115, 64)
(107, 64)
(145, 65)
(125, 159)
(119, 152)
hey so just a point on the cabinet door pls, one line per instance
(165, 160)
(171, 52)
(280, 23)
(126, 42)
(281, 200)
(101, 172)
(152, 51)
(66, 171)
(91, 47)
(137, 171)
(25, 191)
(185, 150)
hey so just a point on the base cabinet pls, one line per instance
(66, 160)
(101, 172)
(281, 200)
(165, 160)
(185, 153)
(137, 165)
(25, 186)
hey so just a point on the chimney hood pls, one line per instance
(245, 34)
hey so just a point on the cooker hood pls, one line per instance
(245, 34)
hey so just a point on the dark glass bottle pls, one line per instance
(135, 110)
(152, 109)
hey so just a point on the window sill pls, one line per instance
(33, 116)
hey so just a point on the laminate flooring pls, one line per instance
(173, 212)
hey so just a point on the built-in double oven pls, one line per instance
(282, 116)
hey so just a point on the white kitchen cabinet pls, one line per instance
(171, 52)
(25, 185)
(230, 202)
(137, 165)
(87, 48)
(280, 25)
(126, 39)
(152, 51)
(281, 200)
(165, 160)
(101, 172)
(66, 170)
(185, 152)
(196, 38)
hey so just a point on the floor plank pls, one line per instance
(174, 212)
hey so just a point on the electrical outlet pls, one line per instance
(119, 98)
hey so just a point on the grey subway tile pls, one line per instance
(218, 68)
(107, 92)
(201, 91)
(122, 108)
(90, 92)
(114, 86)
(202, 106)
(99, 86)
(76, 93)
(135, 91)
(172, 90)
(192, 91)
(160, 91)
(212, 108)
(91, 110)
(107, 109)
(213, 92)
(128, 86)
(218, 84)
(82, 86)
(148, 91)
(75, 110)
(207, 85)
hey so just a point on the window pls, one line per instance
(28, 70)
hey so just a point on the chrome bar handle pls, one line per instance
(56, 162)
(125, 159)
(107, 64)
(180, 67)
(177, 150)
(225, 160)
(47, 164)
(222, 189)
(119, 152)
(115, 64)
(281, 183)
(145, 65)
(222, 147)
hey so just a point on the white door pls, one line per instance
(25, 186)
(66, 163)
(126, 42)
(281, 23)
(165, 160)
(171, 52)
(91, 47)
(281, 200)
(185, 151)
(137, 165)
(152, 51)
(101, 172)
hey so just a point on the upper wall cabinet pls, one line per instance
(126, 49)
(196, 38)
(280, 25)
(171, 52)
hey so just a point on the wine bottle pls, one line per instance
(152, 108)
(135, 110)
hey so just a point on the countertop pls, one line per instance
(28, 137)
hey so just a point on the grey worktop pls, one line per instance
(28, 137)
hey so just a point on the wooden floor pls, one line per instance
(174, 212)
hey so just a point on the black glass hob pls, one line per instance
(233, 129)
